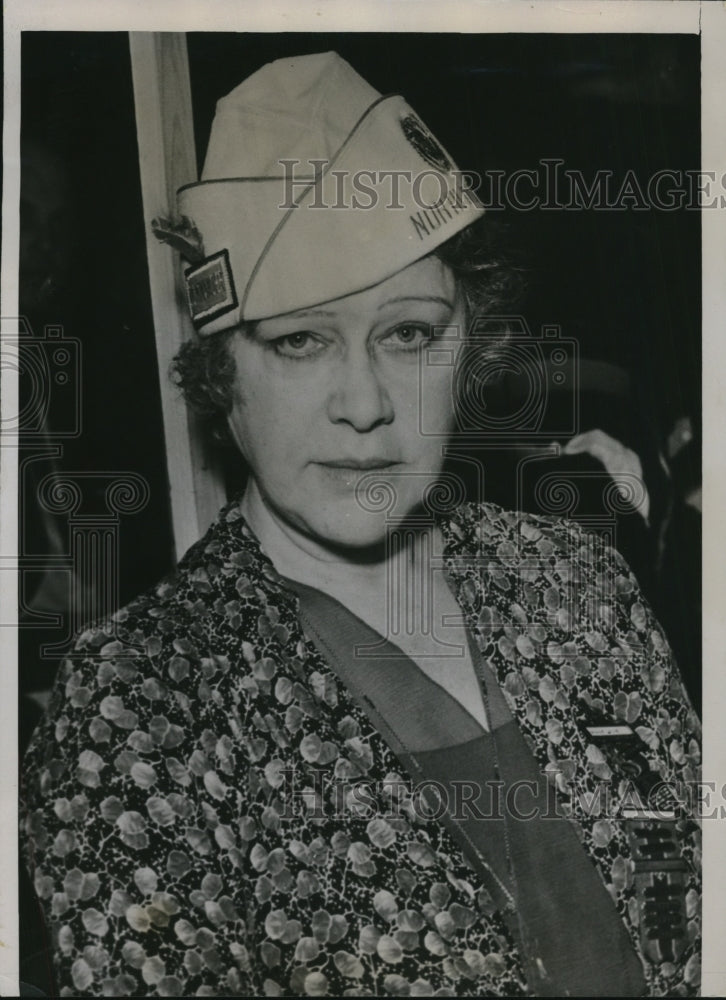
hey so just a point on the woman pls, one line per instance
(362, 742)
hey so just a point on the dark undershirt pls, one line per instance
(570, 936)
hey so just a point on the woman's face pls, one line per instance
(329, 395)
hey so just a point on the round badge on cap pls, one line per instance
(424, 143)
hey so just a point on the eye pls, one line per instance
(409, 336)
(300, 344)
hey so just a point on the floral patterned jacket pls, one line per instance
(159, 824)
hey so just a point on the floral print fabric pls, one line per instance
(193, 818)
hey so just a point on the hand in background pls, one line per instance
(621, 463)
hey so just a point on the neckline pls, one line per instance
(455, 526)
(294, 586)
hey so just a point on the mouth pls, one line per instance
(359, 464)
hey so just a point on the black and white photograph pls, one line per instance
(354, 423)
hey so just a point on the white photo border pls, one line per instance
(486, 16)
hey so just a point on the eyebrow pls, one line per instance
(304, 313)
(308, 312)
(418, 298)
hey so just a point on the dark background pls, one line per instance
(625, 284)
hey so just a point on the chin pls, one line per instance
(358, 531)
(349, 526)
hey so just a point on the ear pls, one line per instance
(234, 432)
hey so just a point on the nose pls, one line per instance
(358, 396)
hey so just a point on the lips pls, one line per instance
(359, 464)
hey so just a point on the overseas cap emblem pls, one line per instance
(424, 143)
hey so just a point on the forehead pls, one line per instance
(427, 280)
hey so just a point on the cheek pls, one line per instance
(270, 425)
(431, 405)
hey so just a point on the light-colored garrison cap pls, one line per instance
(314, 186)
